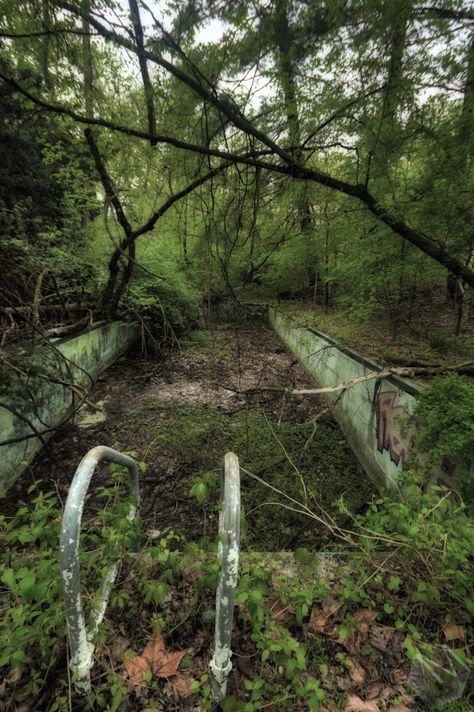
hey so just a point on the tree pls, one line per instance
(342, 31)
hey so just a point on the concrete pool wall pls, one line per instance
(79, 360)
(371, 414)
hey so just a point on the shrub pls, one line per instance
(168, 306)
(445, 418)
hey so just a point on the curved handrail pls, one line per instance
(80, 642)
(229, 547)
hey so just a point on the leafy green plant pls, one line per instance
(425, 540)
(34, 618)
(33, 633)
(444, 415)
(169, 306)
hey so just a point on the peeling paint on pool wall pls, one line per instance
(371, 414)
(88, 355)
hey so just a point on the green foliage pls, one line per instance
(33, 621)
(43, 201)
(169, 306)
(271, 450)
(196, 338)
(433, 537)
(33, 626)
(444, 415)
(412, 554)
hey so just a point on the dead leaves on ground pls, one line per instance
(355, 704)
(155, 659)
(319, 617)
(179, 686)
(452, 631)
(369, 685)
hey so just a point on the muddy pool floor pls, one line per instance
(180, 413)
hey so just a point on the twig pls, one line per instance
(37, 433)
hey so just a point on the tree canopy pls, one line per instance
(335, 137)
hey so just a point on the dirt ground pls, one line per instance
(179, 415)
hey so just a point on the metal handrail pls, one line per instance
(228, 552)
(80, 641)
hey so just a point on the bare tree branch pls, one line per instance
(360, 191)
(147, 86)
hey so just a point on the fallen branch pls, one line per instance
(75, 388)
(467, 367)
(35, 432)
(35, 318)
(42, 308)
(69, 329)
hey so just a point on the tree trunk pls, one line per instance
(45, 41)
(87, 63)
(147, 85)
(384, 141)
(287, 78)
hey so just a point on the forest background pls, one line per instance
(160, 159)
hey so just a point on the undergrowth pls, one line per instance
(287, 453)
(395, 596)
(362, 327)
(444, 416)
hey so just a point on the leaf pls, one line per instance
(365, 616)
(136, 668)
(398, 676)
(199, 491)
(394, 583)
(357, 673)
(373, 690)
(381, 638)
(181, 686)
(156, 659)
(452, 631)
(15, 675)
(320, 616)
(355, 704)
(163, 663)
(357, 637)
(8, 578)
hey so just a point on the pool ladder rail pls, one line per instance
(81, 637)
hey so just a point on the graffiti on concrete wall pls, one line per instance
(398, 438)
(392, 434)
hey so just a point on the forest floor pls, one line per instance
(423, 335)
(179, 415)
